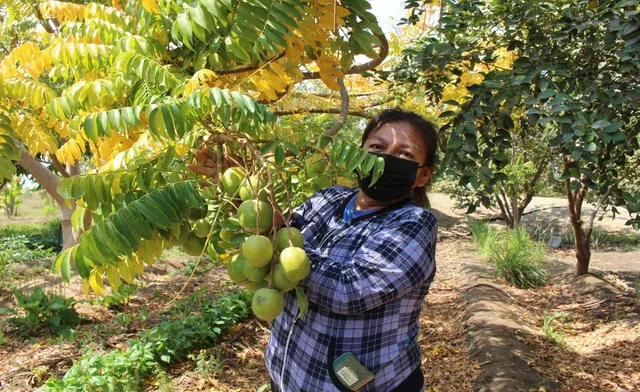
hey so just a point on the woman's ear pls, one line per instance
(424, 176)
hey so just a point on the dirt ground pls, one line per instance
(590, 344)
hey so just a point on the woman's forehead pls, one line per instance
(398, 132)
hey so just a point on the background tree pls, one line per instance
(572, 91)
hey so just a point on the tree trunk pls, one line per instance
(515, 212)
(49, 181)
(582, 239)
(583, 251)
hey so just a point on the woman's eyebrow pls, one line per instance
(374, 139)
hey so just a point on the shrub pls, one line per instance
(54, 313)
(43, 236)
(518, 259)
(16, 249)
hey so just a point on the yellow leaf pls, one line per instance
(85, 287)
(95, 281)
(136, 265)
(181, 149)
(126, 273)
(113, 277)
(151, 6)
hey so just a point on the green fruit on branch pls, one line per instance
(255, 274)
(255, 216)
(267, 304)
(289, 236)
(257, 250)
(251, 188)
(235, 269)
(201, 228)
(231, 180)
(194, 246)
(280, 281)
(225, 234)
(253, 286)
(295, 263)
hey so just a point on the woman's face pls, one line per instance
(401, 140)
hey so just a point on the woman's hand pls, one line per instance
(205, 163)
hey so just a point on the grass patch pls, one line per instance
(484, 237)
(516, 256)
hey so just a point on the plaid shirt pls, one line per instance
(368, 281)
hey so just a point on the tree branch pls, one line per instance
(43, 176)
(505, 214)
(509, 214)
(344, 109)
(59, 166)
(332, 94)
(360, 68)
(529, 187)
(321, 111)
(249, 68)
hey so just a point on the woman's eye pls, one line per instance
(406, 154)
(375, 147)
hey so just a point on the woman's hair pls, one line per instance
(425, 128)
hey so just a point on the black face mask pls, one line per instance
(396, 181)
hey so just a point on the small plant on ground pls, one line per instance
(207, 365)
(118, 298)
(484, 237)
(41, 312)
(127, 370)
(554, 335)
(518, 259)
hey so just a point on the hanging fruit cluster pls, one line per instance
(268, 266)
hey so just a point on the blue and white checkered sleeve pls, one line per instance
(388, 265)
(314, 206)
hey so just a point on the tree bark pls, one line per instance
(49, 181)
(582, 241)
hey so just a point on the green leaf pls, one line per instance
(280, 155)
(546, 94)
(356, 158)
(303, 301)
(600, 124)
(64, 187)
(62, 264)
(154, 215)
(378, 169)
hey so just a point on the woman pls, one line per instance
(372, 253)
